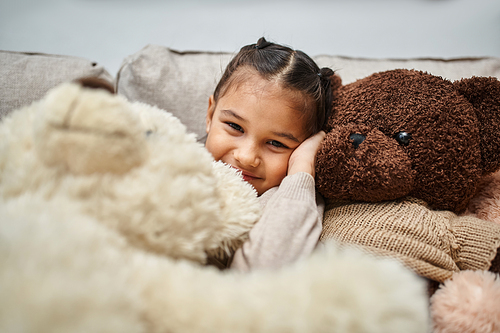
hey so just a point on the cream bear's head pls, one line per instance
(132, 166)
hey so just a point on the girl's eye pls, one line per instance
(277, 144)
(235, 126)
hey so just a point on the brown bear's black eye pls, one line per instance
(403, 138)
(357, 139)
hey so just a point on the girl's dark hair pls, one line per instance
(293, 69)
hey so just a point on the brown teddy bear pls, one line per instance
(404, 154)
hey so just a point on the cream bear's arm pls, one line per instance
(331, 291)
(289, 228)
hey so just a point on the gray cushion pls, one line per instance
(26, 77)
(181, 83)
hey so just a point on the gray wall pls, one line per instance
(108, 30)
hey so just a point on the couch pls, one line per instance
(181, 82)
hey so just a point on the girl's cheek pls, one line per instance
(218, 146)
(281, 164)
(210, 146)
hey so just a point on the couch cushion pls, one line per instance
(26, 77)
(181, 82)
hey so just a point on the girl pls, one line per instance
(265, 119)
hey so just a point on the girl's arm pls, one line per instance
(289, 228)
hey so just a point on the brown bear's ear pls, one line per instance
(484, 95)
(96, 83)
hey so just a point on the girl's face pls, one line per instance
(254, 128)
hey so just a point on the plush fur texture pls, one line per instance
(454, 141)
(486, 203)
(109, 207)
(68, 273)
(403, 136)
(95, 148)
(467, 303)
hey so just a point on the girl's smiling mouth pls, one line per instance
(247, 176)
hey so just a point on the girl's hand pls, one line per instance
(303, 157)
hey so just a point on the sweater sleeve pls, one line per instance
(289, 228)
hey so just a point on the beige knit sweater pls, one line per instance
(432, 243)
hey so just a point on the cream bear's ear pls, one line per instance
(88, 130)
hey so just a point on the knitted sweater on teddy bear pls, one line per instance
(435, 244)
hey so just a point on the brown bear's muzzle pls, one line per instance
(375, 166)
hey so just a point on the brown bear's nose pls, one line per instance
(357, 139)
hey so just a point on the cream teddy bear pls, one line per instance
(108, 211)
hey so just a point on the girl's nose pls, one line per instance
(247, 155)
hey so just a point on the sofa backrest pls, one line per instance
(26, 77)
(179, 82)
(182, 82)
